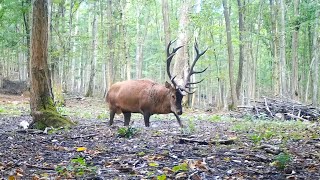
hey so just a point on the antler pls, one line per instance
(169, 59)
(187, 83)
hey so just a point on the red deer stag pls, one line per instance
(148, 97)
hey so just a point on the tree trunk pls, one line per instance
(294, 80)
(43, 110)
(25, 14)
(230, 56)
(110, 61)
(274, 46)
(166, 28)
(125, 42)
(241, 46)
(315, 58)
(94, 53)
(182, 57)
(139, 45)
(282, 49)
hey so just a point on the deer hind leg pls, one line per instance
(127, 116)
(146, 117)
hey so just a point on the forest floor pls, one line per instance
(211, 146)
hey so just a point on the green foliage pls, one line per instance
(189, 127)
(141, 153)
(256, 138)
(262, 129)
(180, 167)
(153, 164)
(103, 116)
(265, 135)
(13, 109)
(162, 177)
(127, 132)
(58, 96)
(215, 118)
(77, 167)
(282, 160)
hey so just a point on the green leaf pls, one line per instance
(153, 164)
(180, 167)
(162, 177)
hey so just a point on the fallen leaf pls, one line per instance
(80, 149)
(153, 164)
(168, 171)
(35, 177)
(162, 177)
(181, 176)
(11, 178)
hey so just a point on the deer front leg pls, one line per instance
(179, 120)
(127, 116)
(146, 116)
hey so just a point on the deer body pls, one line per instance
(148, 97)
(141, 96)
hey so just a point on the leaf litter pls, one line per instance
(211, 149)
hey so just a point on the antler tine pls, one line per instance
(169, 59)
(187, 83)
(185, 90)
(197, 57)
(168, 47)
(198, 72)
(192, 83)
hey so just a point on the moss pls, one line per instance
(52, 119)
(48, 116)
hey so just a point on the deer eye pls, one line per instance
(173, 96)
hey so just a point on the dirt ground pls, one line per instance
(209, 148)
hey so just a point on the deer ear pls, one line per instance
(168, 85)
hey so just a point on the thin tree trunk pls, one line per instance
(139, 46)
(94, 53)
(294, 80)
(26, 3)
(282, 49)
(275, 44)
(315, 57)
(241, 47)
(230, 56)
(166, 28)
(110, 61)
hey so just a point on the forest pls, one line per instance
(244, 76)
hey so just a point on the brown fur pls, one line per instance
(140, 96)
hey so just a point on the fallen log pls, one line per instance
(211, 142)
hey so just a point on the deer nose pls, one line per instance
(179, 112)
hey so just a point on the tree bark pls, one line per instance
(94, 52)
(139, 46)
(241, 47)
(315, 58)
(274, 47)
(182, 57)
(166, 28)
(282, 49)
(43, 110)
(110, 59)
(230, 56)
(294, 80)
(25, 14)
